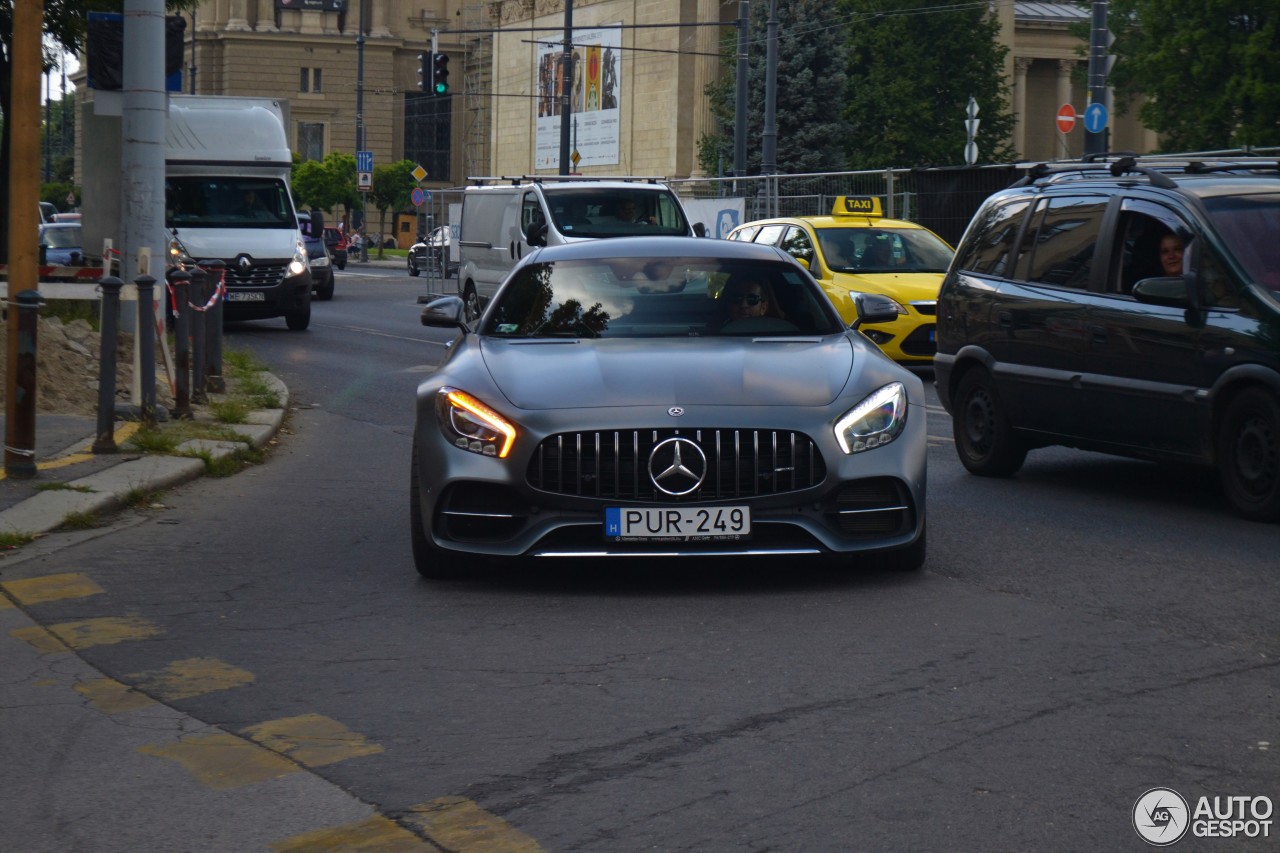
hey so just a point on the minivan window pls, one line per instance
(1064, 241)
(1249, 224)
(989, 251)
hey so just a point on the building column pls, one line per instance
(378, 25)
(704, 71)
(266, 16)
(1020, 67)
(238, 20)
(1065, 67)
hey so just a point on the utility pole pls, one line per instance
(769, 139)
(566, 88)
(740, 107)
(360, 100)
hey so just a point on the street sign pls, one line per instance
(1095, 117)
(1066, 118)
(418, 197)
(419, 173)
(364, 181)
(364, 161)
(575, 157)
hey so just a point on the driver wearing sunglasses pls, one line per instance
(747, 297)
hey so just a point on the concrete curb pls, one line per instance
(112, 489)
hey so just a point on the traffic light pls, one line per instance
(440, 74)
(424, 72)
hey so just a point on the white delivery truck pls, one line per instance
(227, 164)
(502, 218)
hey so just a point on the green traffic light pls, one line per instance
(442, 88)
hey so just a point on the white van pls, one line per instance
(227, 166)
(502, 218)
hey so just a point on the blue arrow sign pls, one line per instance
(1095, 117)
(364, 161)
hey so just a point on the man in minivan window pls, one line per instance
(626, 212)
(1171, 254)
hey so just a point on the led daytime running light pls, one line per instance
(482, 412)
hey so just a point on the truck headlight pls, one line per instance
(298, 265)
(877, 420)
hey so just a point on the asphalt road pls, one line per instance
(1084, 632)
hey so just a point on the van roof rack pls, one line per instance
(516, 180)
(1157, 168)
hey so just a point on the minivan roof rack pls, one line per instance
(1157, 168)
(516, 180)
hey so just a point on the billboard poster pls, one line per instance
(594, 100)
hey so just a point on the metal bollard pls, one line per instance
(105, 442)
(213, 344)
(199, 295)
(147, 347)
(180, 280)
(20, 433)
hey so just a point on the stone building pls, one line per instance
(638, 98)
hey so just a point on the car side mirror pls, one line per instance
(1173, 291)
(873, 308)
(804, 262)
(446, 312)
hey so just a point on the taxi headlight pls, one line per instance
(876, 421)
(473, 426)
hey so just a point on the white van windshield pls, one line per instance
(227, 202)
(599, 212)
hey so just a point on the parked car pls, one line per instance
(64, 244)
(856, 250)
(432, 252)
(317, 258)
(1130, 307)
(640, 396)
(336, 242)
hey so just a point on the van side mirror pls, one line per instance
(699, 230)
(537, 234)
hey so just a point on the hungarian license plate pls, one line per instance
(246, 296)
(677, 524)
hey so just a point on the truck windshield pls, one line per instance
(613, 212)
(227, 202)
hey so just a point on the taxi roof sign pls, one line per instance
(857, 205)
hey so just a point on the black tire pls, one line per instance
(985, 440)
(472, 303)
(908, 559)
(413, 268)
(325, 293)
(1248, 444)
(430, 561)
(298, 319)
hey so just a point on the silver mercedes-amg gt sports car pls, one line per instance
(658, 397)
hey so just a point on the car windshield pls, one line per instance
(649, 297)
(597, 212)
(227, 202)
(1249, 225)
(872, 250)
(61, 238)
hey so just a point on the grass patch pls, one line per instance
(137, 497)
(63, 487)
(68, 310)
(81, 521)
(154, 440)
(233, 411)
(15, 539)
(227, 464)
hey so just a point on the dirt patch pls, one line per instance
(67, 367)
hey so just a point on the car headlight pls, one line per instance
(877, 420)
(299, 263)
(471, 425)
(320, 261)
(853, 294)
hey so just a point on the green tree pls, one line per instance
(1207, 68)
(912, 69)
(392, 185)
(811, 82)
(326, 184)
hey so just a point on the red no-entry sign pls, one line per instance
(1066, 118)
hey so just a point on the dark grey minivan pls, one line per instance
(1130, 307)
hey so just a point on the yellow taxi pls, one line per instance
(856, 250)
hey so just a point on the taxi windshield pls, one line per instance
(883, 250)
(1249, 224)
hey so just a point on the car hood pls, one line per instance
(904, 286)
(553, 374)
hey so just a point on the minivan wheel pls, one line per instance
(472, 303)
(1249, 454)
(985, 440)
(298, 319)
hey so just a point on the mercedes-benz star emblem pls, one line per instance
(675, 411)
(677, 466)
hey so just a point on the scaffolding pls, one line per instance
(477, 87)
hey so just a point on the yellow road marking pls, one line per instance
(184, 679)
(312, 739)
(222, 761)
(456, 823)
(5, 603)
(122, 434)
(111, 697)
(374, 835)
(52, 588)
(66, 636)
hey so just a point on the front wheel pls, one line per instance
(472, 303)
(413, 268)
(1249, 454)
(985, 440)
(298, 319)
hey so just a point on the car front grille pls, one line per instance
(876, 506)
(258, 275)
(919, 343)
(741, 463)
